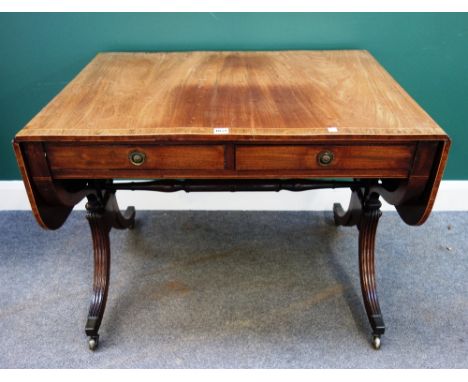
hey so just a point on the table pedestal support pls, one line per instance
(364, 212)
(103, 214)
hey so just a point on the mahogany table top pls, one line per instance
(242, 95)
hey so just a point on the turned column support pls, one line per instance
(102, 214)
(364, 212)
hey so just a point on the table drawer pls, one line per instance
(69, 159)
(353, 160)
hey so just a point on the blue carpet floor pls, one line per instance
(234, 290)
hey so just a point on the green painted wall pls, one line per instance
(427, 53)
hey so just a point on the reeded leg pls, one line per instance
(364, 211)
(367, 231)
(102, 215)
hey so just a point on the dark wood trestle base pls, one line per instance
(364, 212)
(103, 214)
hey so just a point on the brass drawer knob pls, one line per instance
(137, 158)
(324, 158)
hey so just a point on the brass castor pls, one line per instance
(376, 342)
(93, 342)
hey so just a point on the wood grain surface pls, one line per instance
(256, 95)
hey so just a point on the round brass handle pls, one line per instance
(137, 158)
(324, 158)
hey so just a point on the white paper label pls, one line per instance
(221, 130)
(333, 129)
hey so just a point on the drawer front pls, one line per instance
(350, 160)
(76, 159)
(239, 160)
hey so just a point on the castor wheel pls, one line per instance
(93, 342)
(376, 342)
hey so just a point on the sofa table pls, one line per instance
(231, 121)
